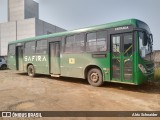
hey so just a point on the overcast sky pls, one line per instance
(73, 14)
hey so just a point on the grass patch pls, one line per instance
(157, 74)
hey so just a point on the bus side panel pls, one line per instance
(11, 62)
(40, 63)
(107, 67)
(74, 65)
(42, 66)
(102, 60)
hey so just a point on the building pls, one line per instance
(156, 58)
(23, 22)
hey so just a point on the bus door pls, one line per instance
(19, 58)
(121, 57)
(55, 58)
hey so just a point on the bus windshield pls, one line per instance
(145, 45)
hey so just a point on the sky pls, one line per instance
(74, 14)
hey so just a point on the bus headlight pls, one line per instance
(141, 67)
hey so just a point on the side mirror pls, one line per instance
(151, 38)
(145, 39)
(143, 54)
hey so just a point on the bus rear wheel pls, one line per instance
(95, 77)
(31, 71)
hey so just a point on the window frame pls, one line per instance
(122, 38)
(65, 42)
(36, 47)
(120, 42)
(74, 35)
(133, 43)
(139, 50)
(96, 31)
(25, 48)
(13, 54)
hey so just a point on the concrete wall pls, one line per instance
(26, 28)
(58, 29)
(43, 28)
(15, 10)
(22, 9)
(31, 9)
(21, 29)
(23, 16)
(34, 27)
(7, 33)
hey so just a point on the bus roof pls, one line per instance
(97, 27)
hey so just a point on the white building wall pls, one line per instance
(22, 9)
(15, 10)
(26, 28)
(24, 22)
(8, 34)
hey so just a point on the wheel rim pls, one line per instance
(94, 77)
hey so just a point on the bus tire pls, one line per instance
(95, 77)
(31, 71)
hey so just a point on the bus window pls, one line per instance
(91, 42)
(69, 44)
(144, 48)
(11, 50)
(30, 48)
(116, 45)
(96, 41)
(128, 44)
(101, 41)
(79, 43)
(74, 43)
(41, 47)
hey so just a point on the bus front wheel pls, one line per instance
(31, 71)
(95, 77)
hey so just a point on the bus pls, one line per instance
(114, 52)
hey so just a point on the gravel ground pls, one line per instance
(19, 92)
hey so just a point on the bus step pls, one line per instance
(55, 75)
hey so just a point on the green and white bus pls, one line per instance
(113, 52)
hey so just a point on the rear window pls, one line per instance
(41, 47)
(30, 48)
(11, 50)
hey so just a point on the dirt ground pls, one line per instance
(19, 92)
